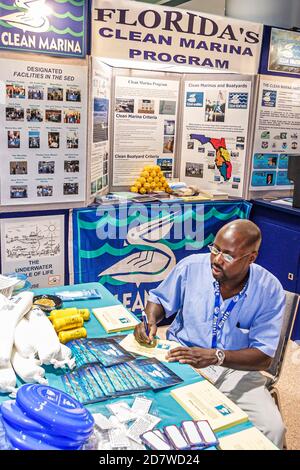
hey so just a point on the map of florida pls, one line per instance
(222, 159)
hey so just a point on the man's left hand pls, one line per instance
(195, 357)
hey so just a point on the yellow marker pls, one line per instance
(65, 336)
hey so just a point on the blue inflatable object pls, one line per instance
(55, 410)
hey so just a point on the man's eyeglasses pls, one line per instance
(228, 258)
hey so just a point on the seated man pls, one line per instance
(229, 314)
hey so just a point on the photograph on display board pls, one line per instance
(13, 139)
(19, 192)
(15, 91)
(34, 139)
(34, 115)
(72, 140)
(284, 52)
(44, 191)
(194, 169)
(18, 168)
(14, 114)
(165, 164)
(168, 144)
(124, 105)
(53, 140)
(169, 127)
(146, 106)
(73, 94)
(55, 94)
(100, 120)
(72, 117)
(35, 92)
(53, 115)
(215, 104)
(71, 188)
(46, 167)
(71, 166)
(167, 107)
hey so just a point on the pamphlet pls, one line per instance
(204, 401)
(115, 318)
(249, 439)
(158, 349)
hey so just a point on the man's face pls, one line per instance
(232, 244)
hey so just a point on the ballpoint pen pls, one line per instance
(145, 321)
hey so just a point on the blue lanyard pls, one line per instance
(217, 326)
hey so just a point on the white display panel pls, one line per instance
(145, 126)
(43, 132)
(100, 131)
(277, 133)
(215, 134)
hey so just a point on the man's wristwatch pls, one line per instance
(220, 355)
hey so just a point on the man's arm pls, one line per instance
(155, 313)
(243, 359)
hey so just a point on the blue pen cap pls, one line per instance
(56, 410)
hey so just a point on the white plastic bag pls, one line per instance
(10, 314)
(28, 369)
(44, 336)
(64, 358)
(8, 380)
(24, 341)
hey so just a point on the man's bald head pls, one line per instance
(245, 232)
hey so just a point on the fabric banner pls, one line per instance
(130, 249)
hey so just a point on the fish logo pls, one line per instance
(33, 16)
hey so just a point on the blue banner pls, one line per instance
(130, 249)
(56, 27)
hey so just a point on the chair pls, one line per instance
(274, 371)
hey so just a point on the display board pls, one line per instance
(36, 244)
(131, 249)
(57, 27)
(43, 132)
(99, 134)
(277, 133)
(145, 124)
(215, 133)
(163, 35)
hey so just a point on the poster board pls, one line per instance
(99, 127)
(215, 132)
(36, 244)
(277, 133)
(43, 131)
(145, 126)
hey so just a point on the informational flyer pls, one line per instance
(277, 133)
(145, 127)
(101, 82)
(34, 246)
(214, 141)
(43, 132)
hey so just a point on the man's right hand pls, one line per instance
(140, 333)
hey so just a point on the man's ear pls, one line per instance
(253, 256)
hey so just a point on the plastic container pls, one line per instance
(22, 280)
(56, 410)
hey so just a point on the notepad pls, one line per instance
(115, 318)
(204, 401)
(248, 439)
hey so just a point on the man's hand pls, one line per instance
(140, 333)
(195, 357)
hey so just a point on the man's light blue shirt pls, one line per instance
(255, 321)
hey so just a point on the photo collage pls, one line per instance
(43, 132)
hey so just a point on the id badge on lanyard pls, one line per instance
(218, 325)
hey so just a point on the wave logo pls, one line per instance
(32, 16)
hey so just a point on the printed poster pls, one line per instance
(34, 246)
(145, 127)
(43, 132)
(277, 133)
(101, 80)
(215, 132)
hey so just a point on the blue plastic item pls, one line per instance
(56, 410)
(22, 441)
(18, 420)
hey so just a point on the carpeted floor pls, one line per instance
(289, 394)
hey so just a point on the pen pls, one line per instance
(145, 321)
